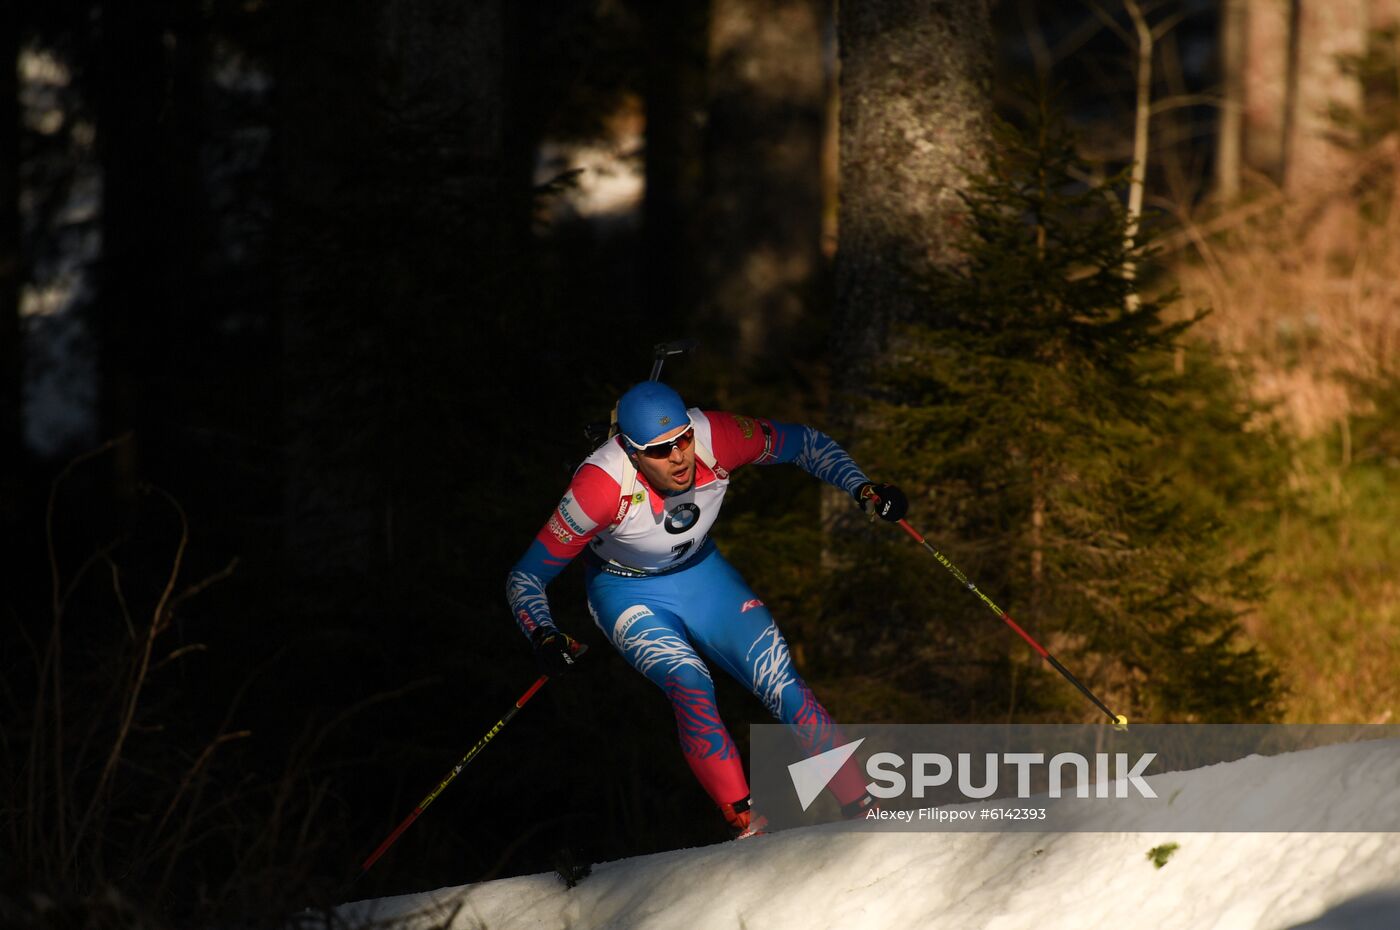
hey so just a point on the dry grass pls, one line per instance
(122, 813)
(1307, 297)
(1307, 294)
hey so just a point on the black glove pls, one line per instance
(888, 501)
(556, 653)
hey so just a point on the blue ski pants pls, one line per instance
(667, 625)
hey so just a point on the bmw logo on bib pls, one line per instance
(682, 518)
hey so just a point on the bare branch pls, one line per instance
(179, 654)
(1108, 20)
(50, 671)
(160, 618)
(1076, 39)
(1179, 101)
(1203, 247)
(221, 575)
(1167, 25)
(100, 555)
(194, 770)
(53, 499)
(121, 600)
(1382, 157)
(1035, 39)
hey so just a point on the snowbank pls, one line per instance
(822, 877)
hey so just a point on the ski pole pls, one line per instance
(664, 350)
(472, 754)
(1119, 720)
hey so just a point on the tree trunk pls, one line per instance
(1142, 117)
(1267, 41)
(1385, 20)
(1230, 138)
(915, 109)
(675, 33)
(1385, 14)
(149, 131)
(1328, 30)
(11, 278)
(763, 195)
(396, 243)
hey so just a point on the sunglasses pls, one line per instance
(662, 449)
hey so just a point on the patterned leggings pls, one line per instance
(659, 623)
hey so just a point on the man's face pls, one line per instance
(674, 472)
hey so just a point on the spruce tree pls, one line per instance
(1037, 416)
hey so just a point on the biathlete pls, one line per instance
(640, 509)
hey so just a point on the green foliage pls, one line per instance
(1333, 614)
(1072, 462)
(1378, 71)
(1158, 855)
(1375, 434)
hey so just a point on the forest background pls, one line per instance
(304, 307)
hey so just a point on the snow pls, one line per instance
(823, 877)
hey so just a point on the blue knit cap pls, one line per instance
(649, 409)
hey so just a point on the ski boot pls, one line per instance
(861, 808)
(742, 820)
